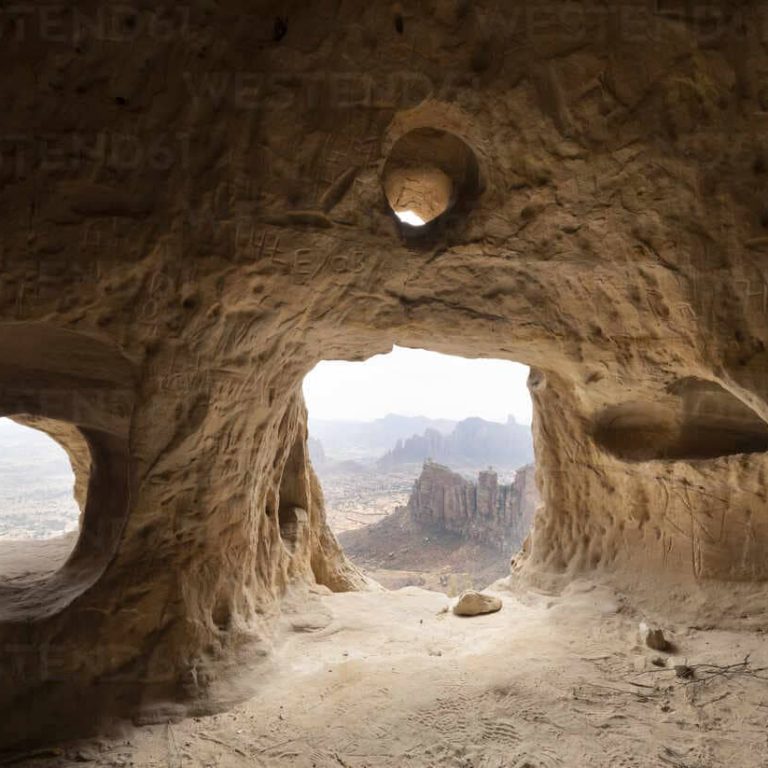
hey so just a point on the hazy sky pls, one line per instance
(413, 382)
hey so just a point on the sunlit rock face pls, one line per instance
(194, 214)
(484, 511)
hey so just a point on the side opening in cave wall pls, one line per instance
(41, 494)
(426, 464)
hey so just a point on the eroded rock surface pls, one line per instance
(194, 215)
(496, 515)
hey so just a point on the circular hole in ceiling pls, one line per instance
(427, 173)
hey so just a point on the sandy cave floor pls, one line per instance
(391, 679)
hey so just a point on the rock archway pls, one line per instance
(169, 306)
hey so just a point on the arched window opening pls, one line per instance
(44, 471)
(426, 464)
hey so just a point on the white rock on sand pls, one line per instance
(471, 603)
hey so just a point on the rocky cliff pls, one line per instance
(485, 512)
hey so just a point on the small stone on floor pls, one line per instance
(472, 603)
(653, 637)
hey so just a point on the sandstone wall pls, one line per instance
(194, 214)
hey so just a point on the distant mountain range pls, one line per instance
(361, 440)
(399, 440)
(473, 442)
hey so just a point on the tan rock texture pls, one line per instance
(472, 603)
(496, 515)
(194, 215)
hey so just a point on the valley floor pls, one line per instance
(392, 679)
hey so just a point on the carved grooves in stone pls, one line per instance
(293, 497)
(697, 419)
